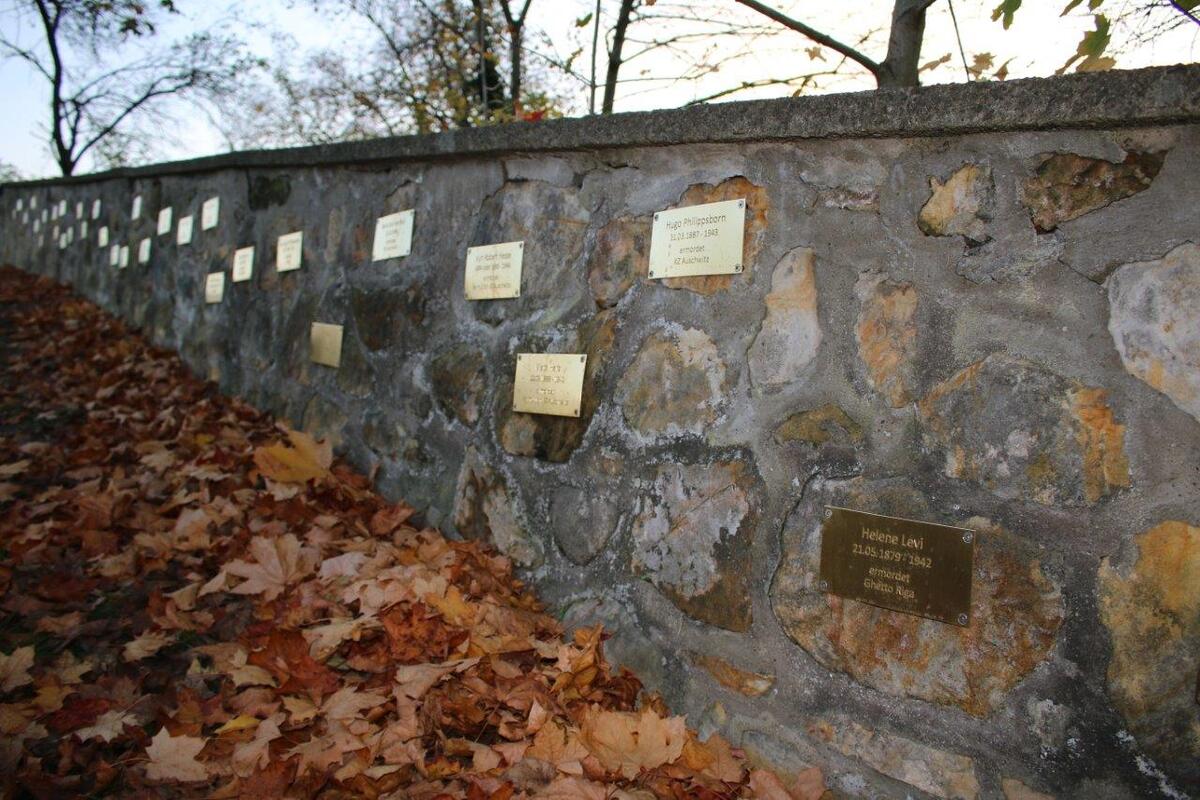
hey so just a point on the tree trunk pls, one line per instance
(903, 61)
(614, 56)
(514, 84)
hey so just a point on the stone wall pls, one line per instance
(989, 317)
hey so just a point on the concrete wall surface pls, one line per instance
(972, 305)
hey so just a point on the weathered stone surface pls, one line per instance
(1025, 432)
(675, 383)
(692, 539)
(1015, 790)
(1066, 186)
(1152, 612)
(1012, 257)
(961, 206)
(790, 334)
(827, 423)
(484, 510)
(887, 336)
(458, 377)
(937, 772)
(324, 420)
(381, 314)
(751, 684)
(552, 438)
(583, 521)
(1015, 617)
(1049, 722)
(621, 254)
(1154, 319)
(757, 207)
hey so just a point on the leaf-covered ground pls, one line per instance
(196, 602)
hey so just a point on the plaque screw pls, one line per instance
(656, 216)
(828, 513)
(968, 537)
(741, 203)
(737, 268)
(823, 586)
(582, 359)
(962, 619)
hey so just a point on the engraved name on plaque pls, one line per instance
(209, 213)
(214, 287)
(243, 264)
(698, 240)
(494, 271)
(288, 251)
(549, 383)
(325, 344)
(919, 568)
(393, 236)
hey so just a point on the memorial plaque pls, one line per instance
(114, 255)
(698, 240)
(102, 236)
(243, 264)
(393, 236)
(96, 208)
(549, 383)
(137, 207)
(124, 262)
(325, 344)
(164, 221)
(62, 241)
(183, 233)
(494, 271)
(62, 208)
(288, 251)
(144, 252)
(209, 213)
(919, 568)
(214, 287)
(78, 209)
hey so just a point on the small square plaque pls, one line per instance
(96, 208)
(393, 236)
(214, 287)
(144, 251)
(137, 207)
(164, 221)
(114, 255)
(183, 233)
(549, 383)
(288, 251)
(494, 271)
(102, 236)
(124, 261)
(698, 240)
(325, 344)
(243, 264)
(919, 568)
(209, 213)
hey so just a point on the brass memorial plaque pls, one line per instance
(919, 568)
(326, 344)
(183, 231)
(289, 249)
(393, 236)
(210, 211)
(549, 383)
(243, 264)
(698, 240)
(164, 221)
(214, 287)
(494, 271)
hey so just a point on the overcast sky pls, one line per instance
(1038, 43)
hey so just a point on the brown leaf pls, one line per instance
(173, 758)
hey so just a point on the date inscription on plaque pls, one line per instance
(549, 383)
(698, 240)
(919, 568)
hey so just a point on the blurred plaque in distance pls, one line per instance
(164, 221)
(210, 211)
(214, 287)
(325, 344)
(288, 251)
(243, 264)
(919, 568)
(183, 233)
(393, 236)
(494, 271)
(549, 383)
(698, 240)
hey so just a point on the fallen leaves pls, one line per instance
(173, 758)
(14, 669)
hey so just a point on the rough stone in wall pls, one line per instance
(1016, 610)
(790, 334)
(459, 378)
(961, 206)
(887, 336)
(1023, 431)
(757, 209)
(692, 538)
(484, 510)
(1152, 611)
(1066, 186)
(675, 384)
(750, 684)
(828, 423)
(619, 258)
(1154, 319)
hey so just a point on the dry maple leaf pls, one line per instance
(254, 754)
(278, 563)
(14, 668)
(766, 785)
(307, 459)
(627, 743)
(107, 726)
(145, 645)
(173, 758)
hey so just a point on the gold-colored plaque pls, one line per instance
(210, 211)
(288, 251)
(183, 233)
(549, 383)
(325, 344)
(698, 240)
(243, 264)
(214, 287)
(494, 271)
(920, 568)
(164, 221)
(393, 236)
